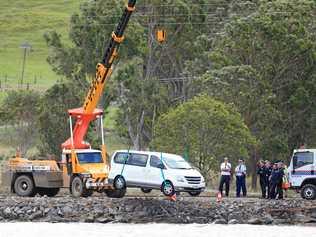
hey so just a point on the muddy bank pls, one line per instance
(147, 210)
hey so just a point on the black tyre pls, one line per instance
(78, 188)
(167, 188)
(146, 190)
(115, 193)
(49, 192)
(119, 183)
(195, 193)
(24, 186)
(309, 191)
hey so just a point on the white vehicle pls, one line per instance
(153, 170)
(302, 172)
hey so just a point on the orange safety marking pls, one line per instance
(117, 39)
(173, 198)
(130, 9)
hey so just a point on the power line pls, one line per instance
(213, 14)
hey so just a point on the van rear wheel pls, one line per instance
(309, 192)
(119, 183)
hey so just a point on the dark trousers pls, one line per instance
(241, 186)
(225, 179)
(273, 187)
(276, 190)
(264, 186)
(280, 190)
(268, 186)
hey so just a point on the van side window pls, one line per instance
(138, 160)
(121, 158)
(301, 159)
(155, 162)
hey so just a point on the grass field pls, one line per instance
(27, 21)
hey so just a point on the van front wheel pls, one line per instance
(309, 192)
(167, 188)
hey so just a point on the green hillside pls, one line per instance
(26, 21)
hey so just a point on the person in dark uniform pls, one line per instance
(280, 181)
(268, 171)
(261, 171)
(276, 190)
(273, 181)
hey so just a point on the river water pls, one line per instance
(150, 230)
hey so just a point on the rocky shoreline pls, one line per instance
(159, 210)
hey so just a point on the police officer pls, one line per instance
(262, 172)
(268, 172)
(225, 176)
(240, 172)
(280, 180)
(276, 190)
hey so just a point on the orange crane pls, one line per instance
(82, 169)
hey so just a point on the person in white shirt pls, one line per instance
(240, 172)
(225, 176)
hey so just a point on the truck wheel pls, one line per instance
(146, 190)
(78, 188)
(309, 192)
(49, 192)
(115, 193)
(167, 188)
(24, 186)
(195, 193)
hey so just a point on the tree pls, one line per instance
(19, 111)
(243, 87)
(53, 116)
(277, 41)
(89, 33)
(141, 101)
(208, 128)
(264, 63)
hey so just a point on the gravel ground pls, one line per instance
(202, 210)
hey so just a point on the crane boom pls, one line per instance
(89, 111)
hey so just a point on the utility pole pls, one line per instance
(25, 46)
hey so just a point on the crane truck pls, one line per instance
(83, 170)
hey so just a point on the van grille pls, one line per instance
(193, 180)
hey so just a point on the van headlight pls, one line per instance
(202, 180)
(180, 179)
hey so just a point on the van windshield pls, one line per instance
(301, 159)
(89, 157)
(176, 162)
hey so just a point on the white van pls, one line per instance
(302, 172)
(154, 170)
